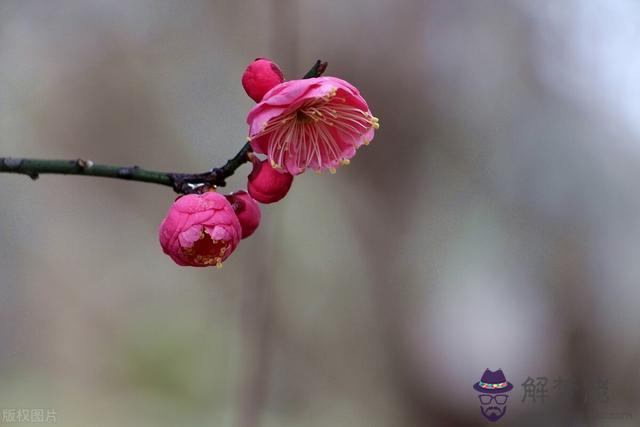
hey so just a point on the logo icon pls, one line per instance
(493, 388)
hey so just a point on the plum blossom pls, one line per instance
(200, 230)
(315, 123)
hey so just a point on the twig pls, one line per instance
(316, 71)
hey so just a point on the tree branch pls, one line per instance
(182, 183)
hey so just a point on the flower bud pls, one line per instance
(247, 211)
(266, 184)
(200, 230)
(260, 76)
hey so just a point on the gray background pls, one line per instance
(492, 223)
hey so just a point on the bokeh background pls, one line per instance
(492, 223)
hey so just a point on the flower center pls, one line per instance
(303, 117)
(206, 251)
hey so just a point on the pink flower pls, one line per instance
(247, 211)
(317, 123)
(267, 185)
(259, 77)
(200, 230)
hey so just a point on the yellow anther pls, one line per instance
(219, 262)
(345, 162)
(366, 141)
(375, 125)
(273, 164)
(332, 170)
(248, 139)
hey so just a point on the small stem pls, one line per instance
(182, 183)
(237, 160)
(316, 71)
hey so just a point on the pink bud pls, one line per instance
(247, 211)
(200, 230)
(259, 77)
(266, 184)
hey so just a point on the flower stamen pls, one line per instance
(321, 132)
(206, 250)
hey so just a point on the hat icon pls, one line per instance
(493, 382)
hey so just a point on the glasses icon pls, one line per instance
(500, 399)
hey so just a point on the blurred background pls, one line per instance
(492, 223)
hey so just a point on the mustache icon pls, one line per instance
(493, 413)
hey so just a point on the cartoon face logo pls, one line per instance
(493, 388)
